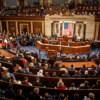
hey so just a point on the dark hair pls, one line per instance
(18, 91)
(83, 66)
(10, 86)
(37, 78)
(25, 78)
(63, 66)
(76, 96)
(72, 84)
(72, 65)
(93, 66)
(56, 65)
(86, 83)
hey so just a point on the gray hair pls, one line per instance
(36, 90)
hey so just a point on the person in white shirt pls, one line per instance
(40, 73)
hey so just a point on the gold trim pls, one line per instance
(23, 20)
(27, 26)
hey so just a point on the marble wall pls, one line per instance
(30, 2)
(11, 2)
(88, 20)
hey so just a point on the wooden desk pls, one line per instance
(79, 64)
(67, 50)
(6, 54)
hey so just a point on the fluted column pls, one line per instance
(16, 27)
(7, 27)
(74, 28)
(60, 28)
(52, 28)
(31, 27)
(84, 31)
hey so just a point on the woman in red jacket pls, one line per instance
(61, 86)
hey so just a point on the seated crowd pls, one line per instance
(14, 46)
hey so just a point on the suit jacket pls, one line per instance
(98, 67)
(84, 87)
(39, 67)
(69, 44)
(86, 76)
(71, 68)
(96, 87)
(95, 76)
(84, 69)
(30, 73)
(9, 93)
(38, 84)
(19, 71)
(19, 97)
(33, 96)
(65, 75)
(6, 78)
(76, 76)
(56, 68)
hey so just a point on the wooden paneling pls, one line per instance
(1, 3)
(4, 27)
(21, 2)
(99, 33)
(26, 18)
(29, 26)
(37, 26)
(45, 2)
(11, 27)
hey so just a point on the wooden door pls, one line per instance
(45, 2)
(21, 2)
(1, 3)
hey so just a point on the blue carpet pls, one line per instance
(43, 55)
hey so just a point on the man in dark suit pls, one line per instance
(34, 95)
(84, 85)
(17, 56)
(19, 96)
(71, 68)
(60, 43)
(97, 86)
(19, 70)
(10, 93)
(56, 67)
(7, 77)
(84, 68)
(66, 75)
(98, 67)
(27, 72)
(60, 51)
(86, 75)
(37, 82)
(76, 75)
(68, 45)
(92, 68)
(39, 66)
